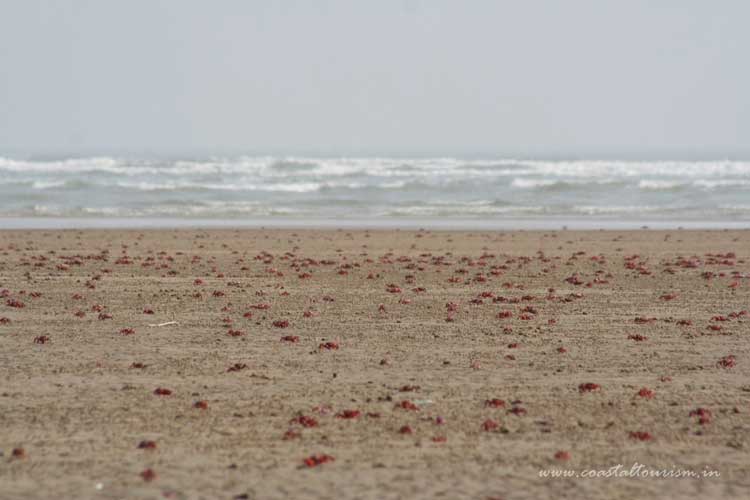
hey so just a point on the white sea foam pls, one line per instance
(532, 183)
(441, 187)
(719, 183)
(616, 210)
(446, 210)
(46, 184)
(386, 166)
(660, 185)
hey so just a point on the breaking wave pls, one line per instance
(219, 187)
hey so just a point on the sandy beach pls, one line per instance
(381, 364)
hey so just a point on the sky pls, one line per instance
(527, 78)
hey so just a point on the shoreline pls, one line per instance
(454, 223)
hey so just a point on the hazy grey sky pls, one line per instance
(535, 78)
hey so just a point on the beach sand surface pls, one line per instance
(397, 344)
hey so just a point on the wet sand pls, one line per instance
(467, 382)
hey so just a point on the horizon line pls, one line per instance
(199, 153)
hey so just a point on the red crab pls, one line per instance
(490, 425)
(638, 337)
(237, 367)
(589, 387)
(160, 391)
(18, 453)
(574, 280)
(42, 339)
(646, 393)
(148, 475)
(291, 434)
(407, 405)
(127, 331)
(201, 405)
(4, 321)
(290, 338)
(235, 333)
(406, 430)
(727, 361)
(147, 445)
(641, 435)
(704, 415)
(15, 303)
(281, 323)
(562, 456)
(304, 421)
(517, 410)
(331, 346)
(348, 414)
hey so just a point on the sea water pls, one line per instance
(376, 190)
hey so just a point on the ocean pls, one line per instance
(380, 190)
